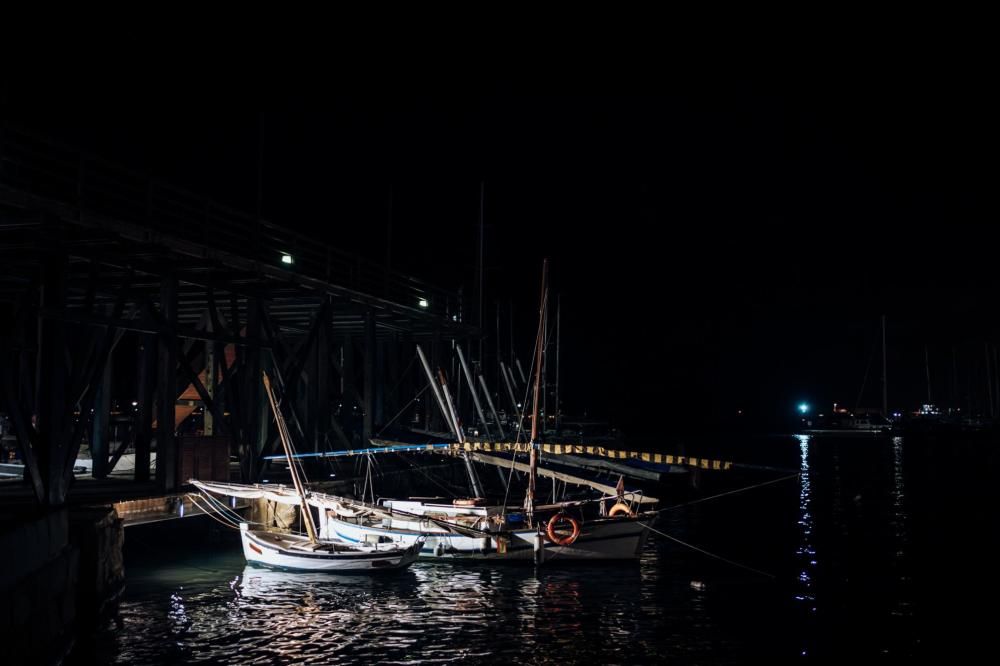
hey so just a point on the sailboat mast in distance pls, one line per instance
(927, 367)
(885, 393)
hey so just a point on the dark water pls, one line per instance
(882, 549)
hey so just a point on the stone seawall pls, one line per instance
(60, 572)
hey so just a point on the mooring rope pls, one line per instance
(705, 499)
(705, 552)
(520, 420)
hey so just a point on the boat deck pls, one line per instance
(297, 542)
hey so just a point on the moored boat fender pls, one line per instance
(554, 537)
(620, 508)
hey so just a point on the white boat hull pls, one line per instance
(604, 539)
(280, 551)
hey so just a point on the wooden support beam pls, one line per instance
(27, 437)
(210, 381)
(146, 358)
(321, 380)
(19, 363)
(211, 405)
(345, 370)
(434, 419)
(254, 407)
(99, 428)
(166, 445)
(347, 374)
(189, 333)
(52, 390)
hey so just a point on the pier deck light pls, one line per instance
(803, 407)
(423, 303)
(286, 258)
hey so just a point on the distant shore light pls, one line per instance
(803, 407)
(423, 303)
(287, 258)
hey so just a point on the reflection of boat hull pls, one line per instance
(291, 551)
(601, 539)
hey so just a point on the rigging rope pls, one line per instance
(211, 514)
(227, 511)
(400, 413)
(424, 472)
(520, 420)
(731, 492)
(402, 377)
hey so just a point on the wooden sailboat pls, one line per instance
(308, 552)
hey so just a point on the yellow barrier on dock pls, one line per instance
(600, 451)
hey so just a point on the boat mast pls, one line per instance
(448, 412)
(493, 409)
(481, 270)
(558, 331)
(510, 391)
(477, 487)
(885, 394)
(286, 444)
(452, 414)
(927, 367)
(529, 499)
(475, 392)
(989, 381)
(437, 394)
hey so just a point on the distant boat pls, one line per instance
(846, 424)
(841, 422)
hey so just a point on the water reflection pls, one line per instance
(845, 544)
(432, 612)
(806, 551)
(901, 606)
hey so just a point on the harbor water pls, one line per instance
(881, 548)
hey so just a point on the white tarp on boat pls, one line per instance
(277, 494)
(282, 495)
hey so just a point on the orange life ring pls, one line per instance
(621, 507)
(567, 540)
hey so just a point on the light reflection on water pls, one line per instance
(806, 552)
(436, 613)
(901, 606)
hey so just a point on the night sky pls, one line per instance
(720, 240)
